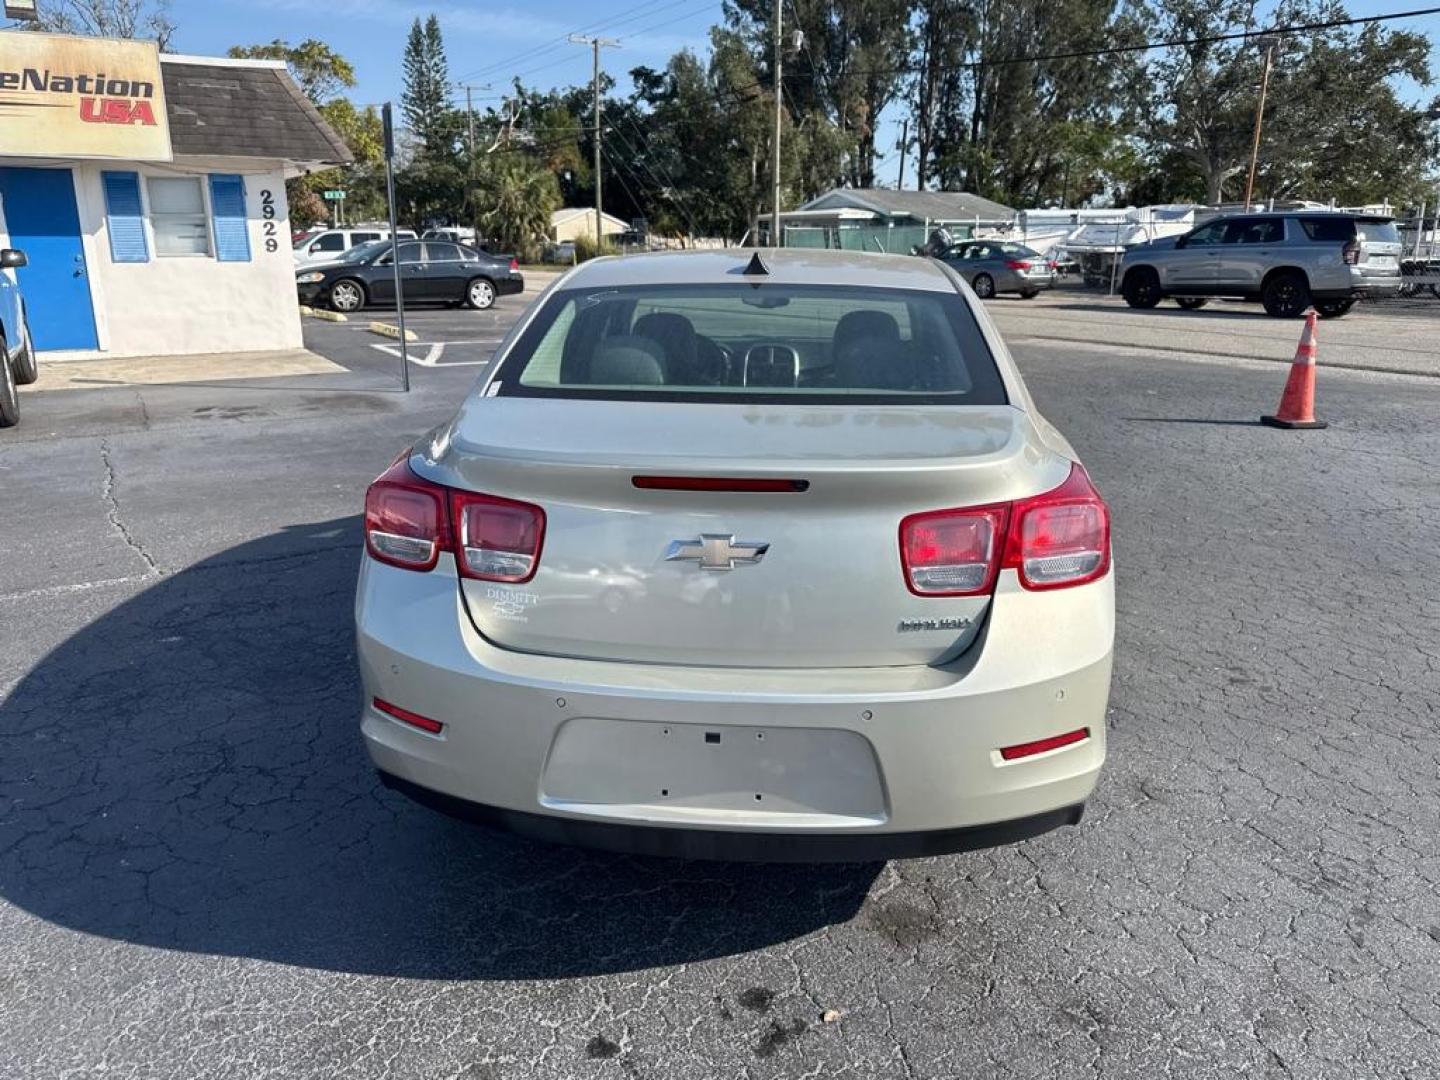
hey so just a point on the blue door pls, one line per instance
(40, 215)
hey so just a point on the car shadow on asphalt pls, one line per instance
(186, 773)
(1166, 310)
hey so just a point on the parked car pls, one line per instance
(456, 234)
(1000, 266)
(17, 351)
(1287, 261)
(562, 252)
(743, 557)
(326, 246)
(430, 271)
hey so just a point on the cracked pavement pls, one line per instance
(200, 877)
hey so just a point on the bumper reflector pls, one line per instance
(405, 716)
(1039, 746)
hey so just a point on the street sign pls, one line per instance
(333, 196)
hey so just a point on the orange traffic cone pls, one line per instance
(1297, 403)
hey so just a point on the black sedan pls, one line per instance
(431, 271)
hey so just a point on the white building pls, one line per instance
(164, 230)
(573, 222)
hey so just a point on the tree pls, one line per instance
(320, 71)
(518, 196)
(425, 98)
(148, 19)
(1336, 128)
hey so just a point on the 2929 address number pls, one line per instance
(267, 213)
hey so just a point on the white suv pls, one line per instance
(327, 246)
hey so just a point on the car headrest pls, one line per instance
(627, 361)
(865, 323)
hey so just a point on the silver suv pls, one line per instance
(1287, 261)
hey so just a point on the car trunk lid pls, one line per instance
(688, 567)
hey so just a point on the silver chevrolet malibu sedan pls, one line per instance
(748, 556)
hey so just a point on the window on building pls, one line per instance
(177, 215)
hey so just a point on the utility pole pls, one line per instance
(1268, 42)
(775, 166)
(470, 116)
(904, 142)
(597, 43)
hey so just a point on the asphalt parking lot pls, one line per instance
(200, 877)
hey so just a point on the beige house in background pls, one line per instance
(573, 222)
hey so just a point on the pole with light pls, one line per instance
(1268, 42)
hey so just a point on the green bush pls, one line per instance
(586, 248)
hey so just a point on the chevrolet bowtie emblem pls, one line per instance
(717, 551)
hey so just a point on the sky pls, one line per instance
(488, 44)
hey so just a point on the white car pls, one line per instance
(325, 247)
(762, 557)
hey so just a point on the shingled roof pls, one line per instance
(245, 109)
(934, 205)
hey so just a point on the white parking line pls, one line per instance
(434, 350)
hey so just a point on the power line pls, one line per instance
(661, 188)
(630, 15)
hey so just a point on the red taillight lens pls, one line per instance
(1018, 264)
(952, 552)
(405, 519)
(719, 483)
(1053, 265)
(514, 265)
(1351, 253)
(1051, 541)
(405, 716)
(497, 539)
(1062, 537)
(1040, 746)
(407, 525)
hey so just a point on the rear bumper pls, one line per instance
(510, 285)
(815, 763)
(1358, 285)
(682, 843)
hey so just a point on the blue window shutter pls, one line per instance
(227, 206)
(124, 217)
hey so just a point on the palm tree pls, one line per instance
(514, 198)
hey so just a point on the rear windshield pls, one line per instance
(1378, 232)
(743, 342)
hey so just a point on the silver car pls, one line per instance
(1000, 266)
(1287, 261)
(760, 557)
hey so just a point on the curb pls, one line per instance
(390, 331)
(321, 313)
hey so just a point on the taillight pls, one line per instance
(514, 264)
(1062, 537)
(409, 520)
(1350, 253)
(952, 552)
(405, 716)
(496, 539)
(405, 519)
(1051, 541)
(1053, 265)
(1041, 746)
(1018, 264)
